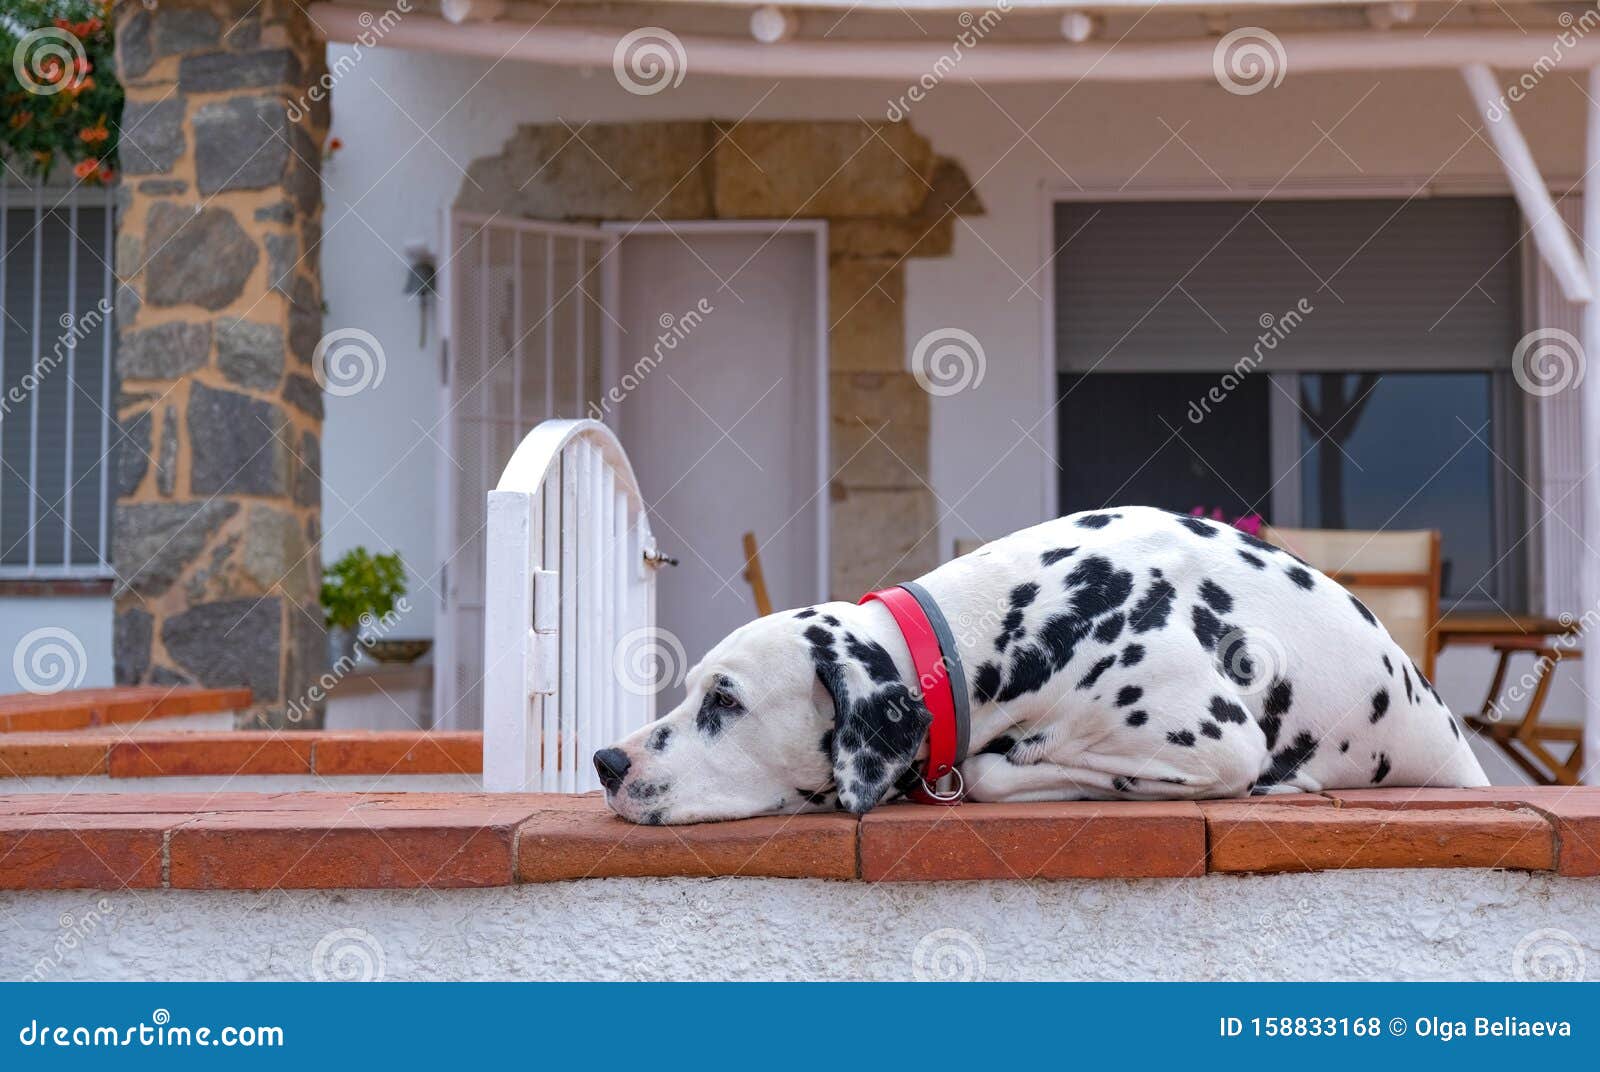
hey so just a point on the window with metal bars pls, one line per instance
(56, 339)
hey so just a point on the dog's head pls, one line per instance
(797, 711)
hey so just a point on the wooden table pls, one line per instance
(1549, 641)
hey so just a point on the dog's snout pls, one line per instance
(612, 766)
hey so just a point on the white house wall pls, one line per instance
(410, 122)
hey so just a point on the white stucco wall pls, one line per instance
(390, 184)
(1459, 925)
(411, 122)
(86, 619)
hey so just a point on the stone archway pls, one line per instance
(886, 196)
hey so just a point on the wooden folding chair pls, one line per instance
(753, 575)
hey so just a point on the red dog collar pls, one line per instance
(941, 684)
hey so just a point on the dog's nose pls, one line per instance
(612, 766)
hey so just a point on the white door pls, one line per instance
(721, 375)
(523, 344)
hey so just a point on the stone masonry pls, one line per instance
(886, 196)
(217, 516)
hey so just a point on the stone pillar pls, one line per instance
(218, 490)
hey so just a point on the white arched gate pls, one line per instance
(569, 583)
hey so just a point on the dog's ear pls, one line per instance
(878, 728)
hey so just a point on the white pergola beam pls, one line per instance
(1550, 235)
(997, 62)
(1589, 425)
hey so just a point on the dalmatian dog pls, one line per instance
(1119, 654)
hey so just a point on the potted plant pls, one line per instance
(359, 591)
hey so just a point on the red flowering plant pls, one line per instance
(60, 102)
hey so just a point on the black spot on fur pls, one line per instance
(821, 643)
(1279, 696)
(658, 738)
(1029, 672)
(1453, 727)
(869, 767)
(1388, 667)
(714, 711)
(1088, 680)
(1061, 634)
(1132, 654)
(999, 746)
(654, 818)
(1405, 676)
(1198, 527)
(874, 658)
(1362, 609)
(1137, 718)
(1225, 710)
(1128, 694)
(1252, 560)
(1100, 587)
(1216, 597)
(1110, 628)
(986, 683)
(809, 612)
(826, 745)
(1095, 521)
(1182, 738)
(1300, 576)
(1287, 762)
(831, 620)
(1380, 704)
(1211, 729)
(1010, 629)
(1383, 768)
(1208, 628)
(1123, 785)
(1425, 683)
(1055, 554)
(1023, 594)
(1344, 746)
(1153, 608)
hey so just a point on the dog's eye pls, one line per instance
(726, 699)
